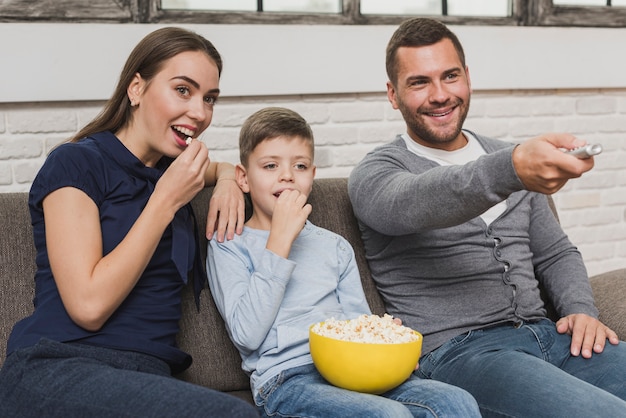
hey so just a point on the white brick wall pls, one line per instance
(592, 209)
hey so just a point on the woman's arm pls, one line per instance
(91, 285)
(227, 207)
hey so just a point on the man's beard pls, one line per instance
(437, 137)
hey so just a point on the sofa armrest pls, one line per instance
(609, 290)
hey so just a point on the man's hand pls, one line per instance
(543, 167)
(399, 322)
(588, 334)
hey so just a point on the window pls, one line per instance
(381, 7)
(591, 13)
(608, 3)
(501, 8)
(302, 6)
(362, 12)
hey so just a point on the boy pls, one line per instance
(283, 274)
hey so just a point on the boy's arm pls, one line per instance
(247, 299)
(350, 289)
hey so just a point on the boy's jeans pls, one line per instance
(303, 392)
(527, 371)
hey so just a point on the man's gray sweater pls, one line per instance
(438, 266)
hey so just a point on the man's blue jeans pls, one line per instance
(528, 371)
(303, 392)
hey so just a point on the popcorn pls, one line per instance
(371, 329)
(188, 140)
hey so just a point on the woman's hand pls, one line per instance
(226, 209)
(184, 178)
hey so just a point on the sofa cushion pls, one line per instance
(216, 361)
(609, 290)
(17, 264)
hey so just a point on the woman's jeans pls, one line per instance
(53, 379)
(528, 371)
(303, 392)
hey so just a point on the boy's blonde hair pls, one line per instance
(268, 123)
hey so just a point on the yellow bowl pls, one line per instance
(364, 367)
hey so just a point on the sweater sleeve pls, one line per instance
(396, 192)
(558, 263)
(248, 299)
(350, 289)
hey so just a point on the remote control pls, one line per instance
(585, 151)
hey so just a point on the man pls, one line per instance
(459, 237)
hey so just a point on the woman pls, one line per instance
(116, 241)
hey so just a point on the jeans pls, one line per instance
(528, 371)
(53, 379)
(303, 392)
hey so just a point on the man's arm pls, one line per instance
(560, 268)
(396, 192)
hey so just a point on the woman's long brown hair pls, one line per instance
(147, 59)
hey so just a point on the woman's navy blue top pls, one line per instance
(120, 185)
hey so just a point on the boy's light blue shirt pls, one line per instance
(269, 302)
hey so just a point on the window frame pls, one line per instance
(525, 13)
(544, 13)
(350, 16)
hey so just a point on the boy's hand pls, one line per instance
(290, 213)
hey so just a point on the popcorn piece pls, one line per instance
(188, 140)
(371, 329)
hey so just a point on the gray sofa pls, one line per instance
(216, 361)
